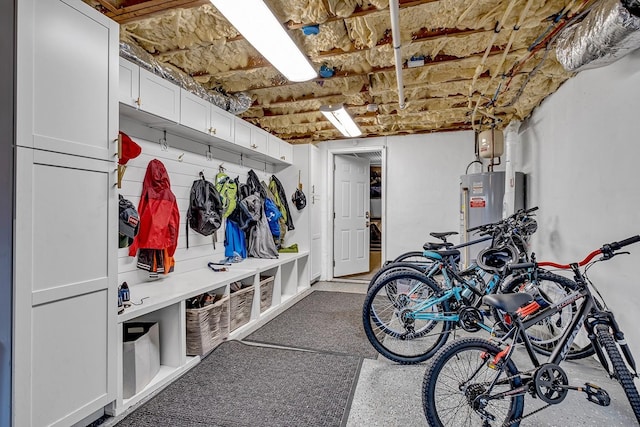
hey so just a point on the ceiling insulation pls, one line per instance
(454, 89)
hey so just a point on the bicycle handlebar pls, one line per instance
(606, 249)
(493, 224)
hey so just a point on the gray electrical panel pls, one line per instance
(481, 202)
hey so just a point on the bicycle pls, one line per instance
(479, 378)
(408, 316)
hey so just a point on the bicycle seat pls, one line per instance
(434, 246)
(507, 302)
(445, 234)
(444, 254)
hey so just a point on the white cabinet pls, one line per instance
(195, 112)
(243, 133)
(259, 140)
(65, 289)
(281, 150)
(222, 123)
(201, 115)
(147, 92)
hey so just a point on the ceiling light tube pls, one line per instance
(257, 24)
(341, 119)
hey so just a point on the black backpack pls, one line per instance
(204, 215)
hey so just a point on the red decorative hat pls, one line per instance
(130, 150)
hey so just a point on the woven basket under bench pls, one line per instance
(266, 292)
(207, 327)
(240, 303)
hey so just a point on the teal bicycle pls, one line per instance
(408, 316)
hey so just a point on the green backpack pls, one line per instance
(228, 193)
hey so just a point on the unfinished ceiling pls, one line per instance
(472, 76)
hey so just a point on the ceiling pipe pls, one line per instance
(394, 7)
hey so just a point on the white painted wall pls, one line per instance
(581, 149)
(422, 180)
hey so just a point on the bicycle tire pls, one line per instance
(413, 256)
(620, 370)
(394, 268)
(449, 386)
(407, 341)
(546, 334)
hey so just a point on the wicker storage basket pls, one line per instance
(205, 327)
(240, 303)
(266, 292)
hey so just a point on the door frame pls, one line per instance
(331, 153)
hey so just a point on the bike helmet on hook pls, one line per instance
(496, 259)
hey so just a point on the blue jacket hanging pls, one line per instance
(234, 242)
(273, 214)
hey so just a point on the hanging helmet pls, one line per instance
(496, 259)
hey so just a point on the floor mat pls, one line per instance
(323, 321)
(240, 385)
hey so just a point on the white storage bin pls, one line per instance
(140, 356)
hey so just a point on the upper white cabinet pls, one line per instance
(222, 123)
(144, 90)
(201, 115)
(259, 140)
(248, 136)
(163, 105)
(279, 149)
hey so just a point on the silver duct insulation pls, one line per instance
(236, 103)
(606, 34)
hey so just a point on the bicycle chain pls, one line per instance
(517, 420)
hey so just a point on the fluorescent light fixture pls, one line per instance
(341, 119)
(257, 24)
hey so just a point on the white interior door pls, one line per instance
(351, 212)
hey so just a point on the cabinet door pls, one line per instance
(242, 133)
(222, 124)
(274, 147)
(65, 72)
(286, 152)
(259, 140)
(195, 112)
(129, 93)
(65, 293)
(159, 97)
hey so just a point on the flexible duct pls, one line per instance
(394, 8)
(607, 33)
(234, 103)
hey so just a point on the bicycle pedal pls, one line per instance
(596, 394)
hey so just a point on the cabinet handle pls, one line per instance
(138, 101)
(254, 146)
(212, 131)
(282, 158)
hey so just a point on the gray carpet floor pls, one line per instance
(323, 321)
(240, 385)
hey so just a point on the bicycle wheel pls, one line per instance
(620, 370)
(390, 323)
(413, 256)
(545, 334)
(456, 388)
(395, 268)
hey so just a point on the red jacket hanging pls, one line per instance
(158, 210)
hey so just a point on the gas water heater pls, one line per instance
(481, 202)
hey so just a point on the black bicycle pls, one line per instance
(475, 381)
